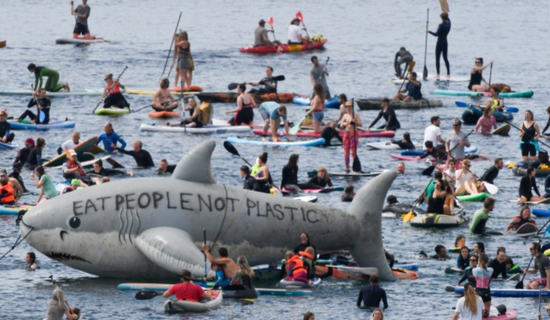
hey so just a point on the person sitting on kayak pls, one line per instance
(295, 269)
(329, 132)
(468, 272)
(486, 122)
(163, 100)
(164, 168)
(349, 193)
(350, 122)
(295, 35)
(267, 85)
(476, 76)
(260, 36)
(114, 96)
(436, 153)
(542, 264)
(142, 157)
(321, 180)
(529, 133)
(481, 216)
(494, 102)
(81, 13)
(110, 137)
(99, 171)
(436, 201)
(243, 113)
(250, 183)
(272, 113)
(229, 269)
(521, 219)
(42, 104)
(317, 107)
(482, 275)
(499, 264)
(52, 75)
(5, 135)
(463, 259)
(389, 115)
(456, 141)
(402, 57)
(526, 186)
(413, 87)
(187, 290)
(405, 143)
(371, 294)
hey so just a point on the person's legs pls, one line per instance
(28, 113)
(353, 144)
(172, 106)
(347, 144)
(275, 128)
(470, 187)
(444, 50)
(437, 58)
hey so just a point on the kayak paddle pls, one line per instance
(301, 17)
(356, 163)
(117, 79)
(270, 22)
(231, 149)
(490, 74)
(425, 71)
(411, 213)
(146, 295)
(234, 85)
(204, 240)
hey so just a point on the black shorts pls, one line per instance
(485, 294)
(528, 148)
(81, 29)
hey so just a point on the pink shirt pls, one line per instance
(486, 124)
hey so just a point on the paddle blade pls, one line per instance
(146, 295)
(232, 86)
(428, 171)
(411, 66)
(279, 78)
(270, 21)
(230, 148)
(300, 16)
(425, 73)
(519, 285)
(491, 188)
(512, 109)
(408, 216)
(462, 104)
(356, 164)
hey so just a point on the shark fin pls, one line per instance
(195, 164)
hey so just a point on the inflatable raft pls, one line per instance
(210, 129)
(473, 197)
(307, 143)
(230, 97)
(432, 220)
(472, 114)
(376, 104)
(299, 284)
(191, 306)
(519, 94)
(312, 134)
(52, 125)
(284, 48)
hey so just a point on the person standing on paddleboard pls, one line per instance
(350, 137)
(318, 74)
(442, 45)
(52, 82)
(185, 65)
(402, 57)
(317, 107)
(81, 13)
(42, 104)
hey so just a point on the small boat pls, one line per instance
(52, 125)
(113, 111)
(229, 97)
(432, 220)
(284, 48)
(518, 94)
(191, 306)
(376, 104)
(472, 114)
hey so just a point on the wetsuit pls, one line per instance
(462, 263)
(317, 183)
(498, 268)
(371, 295)
(34, 159)
(5, 131)
(468, 276)
(115, 98)
(527, 144)
(526, 185)
(475, 78)
(391, 120)
(250, 183)
(402, 56)
(546, 127)
(441, 45)
(105, 172)
(169, 169)
(111, 138)
(404, 145)
(51, 84)
(142, 157)
(436, 153)
(328, 133)
(521, 221)
(22, 156)
(264, 86)
(45, 104)
(290, 179)
(435, 205)
(479, 220)
(490, 175)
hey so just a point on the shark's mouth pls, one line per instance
(60, 256)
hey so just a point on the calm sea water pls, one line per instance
(363, 38)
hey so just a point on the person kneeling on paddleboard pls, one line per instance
(42, 104)
(243, 113)
(52, 75)
(272, 113)
(114, 97)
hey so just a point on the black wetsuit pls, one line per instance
(45, 104)
(328, 133)
(475, 78)
(5, 130)
(371, 295)
(290, 179)
(391, 120)
(317, 183)
(526, 185)
(250, 183)
(436, 153)
(468, 275)
(404, 145)
(142, 157)
(264, 88)
(34, 159)
(105, 172)
(490, 175)
(442, 45)
(169, 169)
(498, 268)
(546, 127)
(22, 156)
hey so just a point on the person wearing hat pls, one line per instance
(23, 154)
(187, 290)
(413, 88)
(389, 115)
(260, 36)
(350, 122)
(295, 33)
(5, 135)
(42, 104)
(250, 183)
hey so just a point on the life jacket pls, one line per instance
(8, 197)
(114, 89)
(306, 255)
(296, 266)
(73, 165)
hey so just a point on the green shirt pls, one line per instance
(480, 215)
(49, 187)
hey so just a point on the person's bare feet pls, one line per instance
(448, 77)
(67, 86)
(436, 77)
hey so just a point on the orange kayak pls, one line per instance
(164, 114)
(192, 88)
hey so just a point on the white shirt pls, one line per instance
(466, 313)
(430, 134)
(293, 32)
(69, 144)
(466, 176)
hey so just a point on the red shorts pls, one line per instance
(540, 281)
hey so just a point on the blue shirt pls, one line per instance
(271, 108)
(108, 139)
(414, 91)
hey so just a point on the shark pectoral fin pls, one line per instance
(172, 249)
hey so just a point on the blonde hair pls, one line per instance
(59, 296)
(470, 298)
(374, 311)
(242, 265)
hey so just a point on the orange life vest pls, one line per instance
(8, 197)
(305, 254)
(296, 266)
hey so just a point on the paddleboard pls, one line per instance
(95, 149)
(409, 266)
(52, 125)
(164, 114)
(206, 129)
(541, 212)
(473, 197)
(89, 92)
(502, 130)
(175, 90)
(333, 103)
(80, 148)
(137, 286)
(519, 94)
(283, 143)
(327, 190)
(79, 41)
(13, 210)
(313, 173)
(108, 159)
(386, 145)
(113, 111)
(11, 146)
(419, 152)
(511, 293)
(547, 200)
(526, 230)
(306, 198)
(283, 292)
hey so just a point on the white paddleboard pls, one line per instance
(79, 41)
(62, 93)
(386, 145)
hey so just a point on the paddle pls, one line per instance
(41, 115)
(147, 106)
(234, 85)
(425, 71)
(296, 127)
(270, 22)
(544, 144)
(231, 149)
(411, 214)
(409, 70)
(463, 104)
(70, 157)
(170, 50)
(356, 163)
(301, 17)
(519, 285)
(490, 73)
(428, 171)
(117, 79)
(536, 234)
(146, 295)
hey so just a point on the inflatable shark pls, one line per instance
(152, 228)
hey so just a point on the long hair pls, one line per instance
(242, 265)
(59, 296)
(470, 298)
(326, 177)
(483, 260)
(458, 238)
(293, 161)
(319, 91)
(377, 310)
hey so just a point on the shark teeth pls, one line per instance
(60, 256)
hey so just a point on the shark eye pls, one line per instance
(74, 222)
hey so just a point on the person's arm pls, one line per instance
(360, 298)
(447, 146)
(168, 293)
(384, 299)
(325, 70)
(538, 134)
(475, 220)
(128, 152)
(380, 114)
(466, 142)
(239, 106)
(265, 174)
(32, 102)
(521, 130)
(478, 125)
(122, 142)
(464, 278)
(503, 272)
(287, 130)
(438, 32)
(535, 188)
(424, 155)
(455, 317)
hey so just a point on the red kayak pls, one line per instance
(311, 134)
(285, 47)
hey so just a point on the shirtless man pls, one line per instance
(230, 267)
(163, 100)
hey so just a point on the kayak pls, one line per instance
(518, 94)
(333, 103)
(192, 306)
(519, 171)
(13, 209)
(432, 220)
(8, 146)
(299, 284)
(283, 292)
(80, 149)
(473, 197)
(284, 48)
(52, 125)
(89, 92)
(376, 104)
(205, 130)
(229, 97)
(327, 190)
(344, 272)
(386, 145)
(312, 134)
(541, 212)
(402, 273)
(79, 41)
(511, 293)
(113, 111)
(164, 114)
(472, 114)
(307, 143)
(418, 152)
